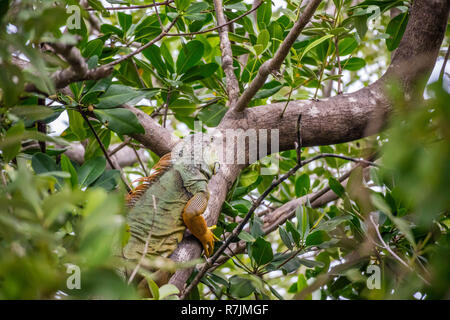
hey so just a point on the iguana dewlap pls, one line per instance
(179, 187)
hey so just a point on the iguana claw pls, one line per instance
(208, 242)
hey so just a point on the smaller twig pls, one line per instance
(102, 147)
(444, 64)
(140, 161)
(120, 146)
(147, 241)
(287, 102)
(138, 74)
(42, 127)
(339, 64)
(166, 108)
(135, 7)
(217, 27)
(332, 155)
(157, 14)
(386, 246)
(299, 140)
(142, 48)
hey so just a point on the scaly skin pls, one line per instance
(179, 188)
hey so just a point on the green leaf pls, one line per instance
(194, 12)
(353, 64)
(262, 42)
(332, 224)
(117, 95)
(122, 121)
(256, 227)
(153, 54)
(346, 46)
(167, 290)
(396, 28)
(316, 238)
(189, 56)
(301, 214)
(315, 43)
(66, 165)
(91, 170)
(247, 237)
(167, 56)
(108, 180)
(285, 238)
(249, 177)
(199, 72)
(263, 14)
(107, 28)
(311, 263)
(336, 187)
(182, 107)
(241, 287)
(11, 150)
(32, 113)
(17, 136)
(92, 149)
(125, 21)
(42, 163)
(265, 93)
(76, 122)
(182, 4)
(293, 231)
(97, 5)
(302, 185)
(153, 288)
(211, 115)
(360, 23)
(93, 48)
(301, 282)
(275, 293)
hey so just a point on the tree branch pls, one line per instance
(339, 119)
(275, 63)
(217, 27)
(135, 7)
(156, 138)
(227, 55)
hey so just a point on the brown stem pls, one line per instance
(227, 54)
(135, 7)
(275, 63)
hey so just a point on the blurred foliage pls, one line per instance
(55, 212)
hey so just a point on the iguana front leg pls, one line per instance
(192, 217)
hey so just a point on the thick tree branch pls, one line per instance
(339, 119)
(78, 70)
(156, 138)
(227, 55)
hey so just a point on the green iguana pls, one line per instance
(178, 190)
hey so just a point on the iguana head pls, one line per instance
(197, 150)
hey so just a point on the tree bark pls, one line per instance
(334, 120)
